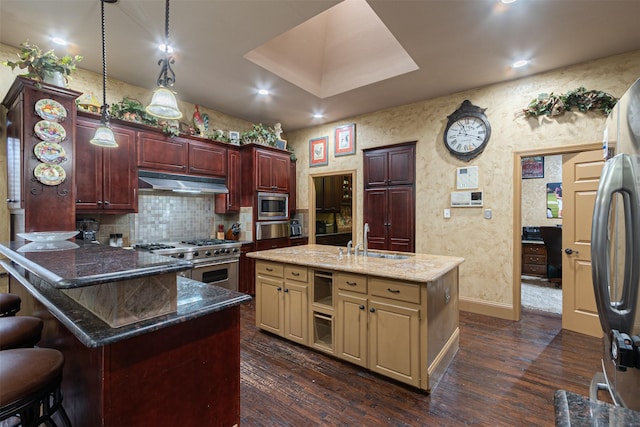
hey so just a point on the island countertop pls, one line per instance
(416, 267)
(87, 264)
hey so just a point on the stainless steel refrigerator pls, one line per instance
(615, 253)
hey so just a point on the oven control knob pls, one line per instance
(196, 253)
(207, 253)
(226, 251)
(216, 252)
(234, 250)
(180, 255)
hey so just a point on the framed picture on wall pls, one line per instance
(318, 155)
(554, 200)
(533, 167)
(345, 140)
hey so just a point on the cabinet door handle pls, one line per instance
(372, 309)
(351, 283)
(106, 202)
(393, 291)
(269, 269)
(295, 273)
(361, 307)
(279, 289)
(99, 202)
(287, 290)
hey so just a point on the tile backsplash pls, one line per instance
(170, 217)
(166, 217)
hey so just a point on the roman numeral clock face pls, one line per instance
(467, 132)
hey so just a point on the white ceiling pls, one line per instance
(457, 45)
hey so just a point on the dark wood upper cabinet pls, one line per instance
(162, 153)
(273, 171)
(230, 202)
(393, 165)
(207, 159)
(264, 169)
(106, 178)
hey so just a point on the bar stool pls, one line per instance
(9, 304)
(31, 379)
(20, 332)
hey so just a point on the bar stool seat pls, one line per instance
(9, 304)
(31, 379)
(19, 332)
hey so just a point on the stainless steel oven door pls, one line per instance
(223, 274)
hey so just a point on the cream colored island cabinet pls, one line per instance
(281, 300)
(396, 317)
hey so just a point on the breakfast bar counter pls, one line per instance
(172, 355)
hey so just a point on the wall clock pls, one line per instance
(467, 132)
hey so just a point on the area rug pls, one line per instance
(542, 296)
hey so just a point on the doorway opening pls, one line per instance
(332, 208)
(518, 220)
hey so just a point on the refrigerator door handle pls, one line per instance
(618, 176)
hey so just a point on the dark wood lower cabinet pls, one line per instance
(390, 213)
(246, 279)
(183, 375)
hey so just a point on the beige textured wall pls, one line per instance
(487, 245)
(534, 194)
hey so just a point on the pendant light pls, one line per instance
(104, 135)
(163, 102)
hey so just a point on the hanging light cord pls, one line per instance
(105, 107)
(167, 77)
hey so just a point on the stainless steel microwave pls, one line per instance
(273, 206)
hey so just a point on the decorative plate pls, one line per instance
(48, 236)
(49, 174)
(50, 152)
(49, 109)
(50, 131)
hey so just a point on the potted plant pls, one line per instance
(44, 66)
(259, 134)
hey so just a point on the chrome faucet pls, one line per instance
(355, 252)
(366, 238)
(349, 247)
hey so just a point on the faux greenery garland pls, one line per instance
(549, 104)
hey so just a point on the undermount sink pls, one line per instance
(385, 256)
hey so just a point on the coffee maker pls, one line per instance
(88, 229)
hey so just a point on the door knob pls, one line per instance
(570, 251)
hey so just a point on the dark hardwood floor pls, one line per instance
(505, 374)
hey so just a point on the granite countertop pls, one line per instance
(575, 410)
(195, 299)
(86, 264)
(417, 267)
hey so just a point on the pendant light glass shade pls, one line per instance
(163, 102)
(104, 137)
(164, 105)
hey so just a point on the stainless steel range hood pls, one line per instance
(180, 183)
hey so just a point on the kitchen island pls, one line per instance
(172, 353)
(393, 313)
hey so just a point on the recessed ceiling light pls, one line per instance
(263, 92)
(519, 64)
(318, 116)
(161, 47)
(508, 1)
(59, 40)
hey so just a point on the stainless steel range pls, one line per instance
(215, 261)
